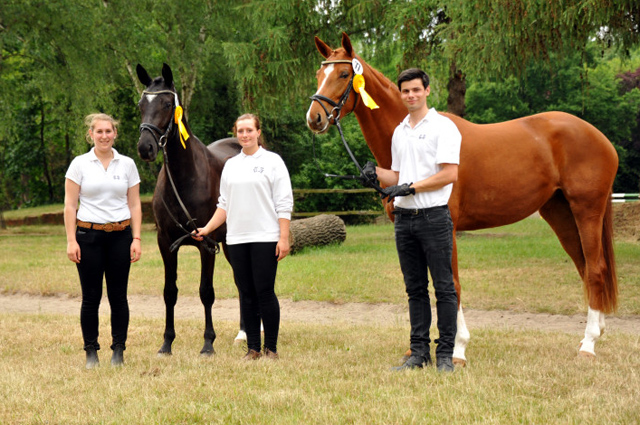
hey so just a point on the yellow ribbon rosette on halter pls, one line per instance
(184, 134)
(358, 86)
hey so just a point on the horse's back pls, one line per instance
(509, 170)
(224, 149)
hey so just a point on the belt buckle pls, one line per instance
(415, 211)
(108, 227)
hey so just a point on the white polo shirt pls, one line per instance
(255, 191)
(419, 152)
(103, 193)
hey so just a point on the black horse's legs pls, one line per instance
(207, 296)
(170, 296)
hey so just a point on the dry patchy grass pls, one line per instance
(327, 374)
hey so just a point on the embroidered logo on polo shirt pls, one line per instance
(422, 136)
(258, 169)
(116, 177)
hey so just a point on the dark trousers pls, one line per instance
(104, 254)
(425, 244)
(254, 268)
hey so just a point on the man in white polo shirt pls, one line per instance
(425, 151)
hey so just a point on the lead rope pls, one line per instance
(373, 184)
(210, 244)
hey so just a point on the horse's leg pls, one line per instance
(170, 293)
(462, 334)
(600, 278)
(557, 213)
(208, 297)
(580, 232)
(593, 331)
(242, 335)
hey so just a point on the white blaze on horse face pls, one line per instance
(150, 97)
(328, 70)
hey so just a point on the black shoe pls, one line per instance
(413, 362)
(444, 364)
(92, 359)
(117, 359)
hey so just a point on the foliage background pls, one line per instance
(63, 59)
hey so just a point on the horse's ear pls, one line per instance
(167, 75)
(346, 44)
(143, 75)
(323, 48)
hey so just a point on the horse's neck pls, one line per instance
(183, 160)
(378, 125)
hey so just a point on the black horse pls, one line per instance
(186, 192)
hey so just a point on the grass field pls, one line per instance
(328, 374)
(520, 267)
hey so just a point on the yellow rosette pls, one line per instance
(358, 86)
(184, 134)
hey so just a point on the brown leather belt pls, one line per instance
(107, 227)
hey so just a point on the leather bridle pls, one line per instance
(162, 141)
(337, 109)
(210, 244)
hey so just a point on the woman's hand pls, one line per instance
(135, 250)
(199, 234)
(282, 248)
(73, 251)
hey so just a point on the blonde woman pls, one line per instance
(103, 233)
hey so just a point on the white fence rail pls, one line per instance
(625, 197)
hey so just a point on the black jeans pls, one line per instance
(104, 254)
(424, 241)
(254, 268)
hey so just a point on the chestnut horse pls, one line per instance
(552, 162)
(185, 195)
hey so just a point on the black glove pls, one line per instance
(368, 176)
(398, 190)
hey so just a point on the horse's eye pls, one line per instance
(345, 74)
(168, 105)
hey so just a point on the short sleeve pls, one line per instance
(449, 141)
(74, 173)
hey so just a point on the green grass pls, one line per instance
(520, 267)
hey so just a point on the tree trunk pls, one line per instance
(320, 230)
(457, 87)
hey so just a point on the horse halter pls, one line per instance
(337, 107)
(162, 141)
(210, 244)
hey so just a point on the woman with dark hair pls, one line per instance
(256, 202)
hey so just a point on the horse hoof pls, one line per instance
(586, 355)
(459, 362)
(162, 353)
(207, 350)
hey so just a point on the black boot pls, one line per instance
(117, 359)
(92, 358)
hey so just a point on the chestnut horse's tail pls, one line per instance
(610, 290)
